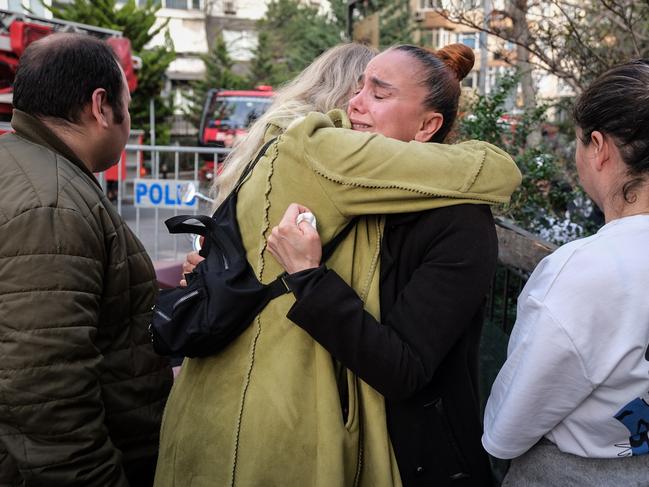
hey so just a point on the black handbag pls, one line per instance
(223, 295)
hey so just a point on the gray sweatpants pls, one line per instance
(544, 466)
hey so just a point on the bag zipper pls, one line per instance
(226, 264)
(185, 298)
(164, 316)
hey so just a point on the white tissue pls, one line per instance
(306, 217)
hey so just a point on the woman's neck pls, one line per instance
(621, 208)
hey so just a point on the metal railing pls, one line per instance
(157, 162)
(519, 252)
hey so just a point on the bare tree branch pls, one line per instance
(575, 40)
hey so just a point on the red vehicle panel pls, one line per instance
(17, 31)
(227, 114)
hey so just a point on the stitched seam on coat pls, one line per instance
(253, 349)
(51, 365)
(374, 262)
(331, 201)
(477, 173)
(75, 176)
(266, 223)
(8, 332)
(41, 207)
(441, 194)
(29, 181)
(43, 291)
(94, 259)
(51, 399)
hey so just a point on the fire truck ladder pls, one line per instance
(7, 18)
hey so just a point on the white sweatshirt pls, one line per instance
(577, 370)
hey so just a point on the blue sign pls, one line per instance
(163, 193)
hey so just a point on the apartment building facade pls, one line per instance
(434, 30)
(193, 26)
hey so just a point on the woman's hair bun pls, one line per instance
(458, 57)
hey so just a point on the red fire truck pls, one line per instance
(226, 116)
(17, 31)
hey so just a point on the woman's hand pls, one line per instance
(296, 247)
(191, 261)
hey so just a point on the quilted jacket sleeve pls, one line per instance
(51, 412)
(409, 172)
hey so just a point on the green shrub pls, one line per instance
(549, 202)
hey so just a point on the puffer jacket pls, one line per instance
(81, 391)
(265, 411)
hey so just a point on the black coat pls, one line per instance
(436, 268)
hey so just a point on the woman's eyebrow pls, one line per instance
(382, 84)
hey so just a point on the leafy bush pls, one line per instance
(549, 202)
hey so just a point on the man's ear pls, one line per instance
(99, 109)
(431, 123)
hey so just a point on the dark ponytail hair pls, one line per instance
(617, 104)
(442, 72)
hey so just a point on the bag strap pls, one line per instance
(331, 246)
(249, 167)
(177, 224)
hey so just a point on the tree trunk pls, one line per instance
(521, 33)
(522, 36)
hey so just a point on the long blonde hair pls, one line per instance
(325, 84)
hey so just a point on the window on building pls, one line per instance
(471, 80)
(427, 38)
(470, 39)
(469, 4)
(15, 5)
(442, 37)
(176, 4)
(430, 4)
(179, 4)
(492, 79)
(229, 7)
(32, 7)
(35, 7)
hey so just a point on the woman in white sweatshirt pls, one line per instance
(571, 403)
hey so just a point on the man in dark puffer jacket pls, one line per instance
(81, 390)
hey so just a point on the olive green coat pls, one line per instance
(81, 391)
(266, 410)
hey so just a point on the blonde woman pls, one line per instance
(274, 407)
(322, 86)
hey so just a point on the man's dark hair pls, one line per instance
(58, 74)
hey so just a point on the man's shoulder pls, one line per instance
(34, 176)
